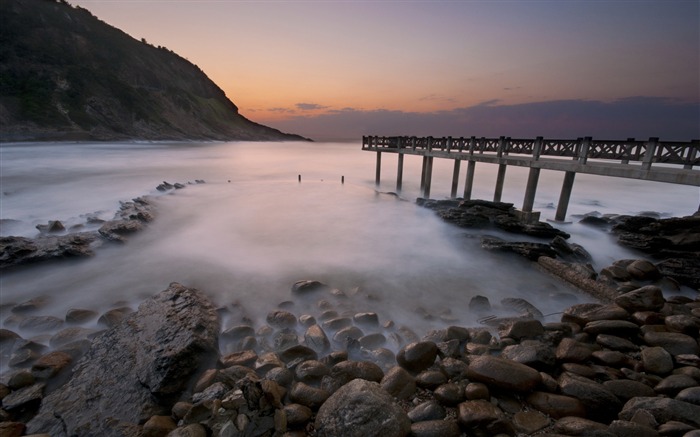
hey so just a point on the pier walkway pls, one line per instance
(652, 160)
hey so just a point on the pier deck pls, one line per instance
(653, 160)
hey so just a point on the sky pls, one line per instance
(337, 70)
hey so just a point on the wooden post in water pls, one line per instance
(565, 195)
(469, 181)
(399, 173)
(455, 178)
(378, 174)
(500, 179)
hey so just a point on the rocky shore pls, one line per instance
(179, 365)
(630, 367)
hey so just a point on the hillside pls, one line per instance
(66, 75)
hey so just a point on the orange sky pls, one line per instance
(277, 60)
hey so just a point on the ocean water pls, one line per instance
(253, 229)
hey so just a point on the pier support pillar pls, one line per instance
(531, 189)
(469, 181)
(378, 174)
(455, 179)
(500, 179)
(399, 173)
(428, 177)
(565, 196)
(423, 168)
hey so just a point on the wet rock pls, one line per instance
(663, 410)
(435, 428)
(529, 422)
(361, 408)
(191, 430)
(20, 250)
(399, 383)
(295, 355)
(165, 341)
(21, 379)
(281, 319)
(430, 379)
(307, 286)
(347, 335)
(449, 394)
(297, 414)
(623, 428)
(482, 413)
(26, 399)
(316, 339)
(429, 410)
(672, 384)
(626, 389)
(480, 305)
(556, 405)
(616, 343)
(51, 364)
(119, 230)
(503, 373)
(237, 333)
(307, 395)
(114, 316)
(158, 426)
(77, 316)
(69, 335)
(648, 298)
(346, 371)
(598, 400)
(580, 426)
(418, 356)
(612, 327)
(690, 395)
(41, 324)
(684, 324)
(311, 371)
(366, 319)
(529, 250)
(675, 343)
(532, 353)
(570, 350)
(12, 429)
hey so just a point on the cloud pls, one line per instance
(310, 106)
(638, 117)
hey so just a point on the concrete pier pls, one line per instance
(653, 160)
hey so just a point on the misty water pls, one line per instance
(252, 230)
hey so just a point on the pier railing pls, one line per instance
(630, 158)
(650, 151)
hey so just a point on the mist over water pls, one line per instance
(252, 230)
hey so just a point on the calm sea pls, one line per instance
(252, 230)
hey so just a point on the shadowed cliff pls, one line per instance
(66, 75)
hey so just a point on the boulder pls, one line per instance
(599, 401)
(361, 408)
(151, 358)
(663, 410)
(418, 356)
(648, 298)
(556, 405)
(503, 373)
(675, 343)
(435, 428)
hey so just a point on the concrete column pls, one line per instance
(500, 179)
(565, 195)
(455, 179)
(469, 181)
(399, 173)
(531, 189)
(428, 177)
(378, 174)
(423, 172)
(649, 153)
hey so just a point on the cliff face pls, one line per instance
(65, 75)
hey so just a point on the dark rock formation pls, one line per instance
(137, 369)
(482, 214)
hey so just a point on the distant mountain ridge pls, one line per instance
(66, 75)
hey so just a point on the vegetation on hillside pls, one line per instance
(64, 74)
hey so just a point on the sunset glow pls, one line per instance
(286, 63)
